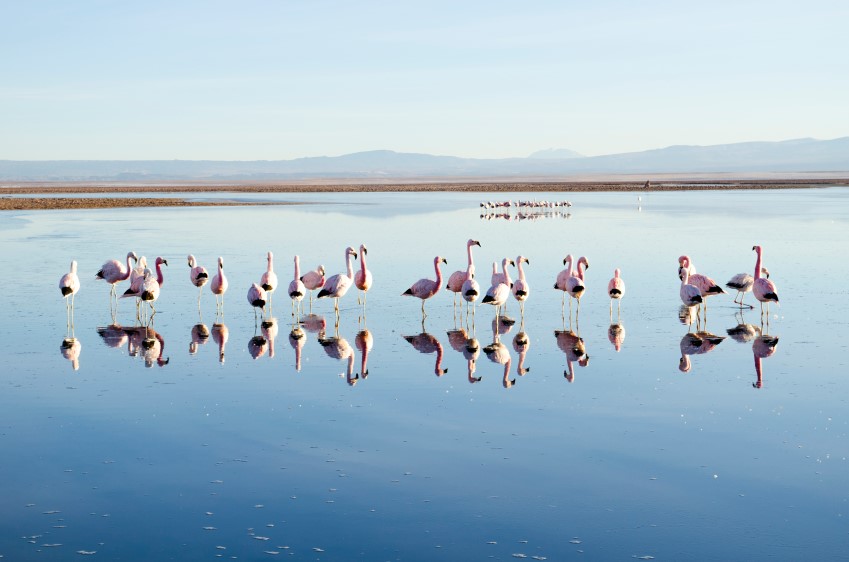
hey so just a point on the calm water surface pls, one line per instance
(167, 444)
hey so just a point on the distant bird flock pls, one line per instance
(525, 210)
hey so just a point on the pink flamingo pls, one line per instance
(521, 288)
(563, 278)
(219, 287)
(497, 295)
(148, 291)
(363, 277)
(762, 347)
(470, 289)
(200, 335)
(113, 272)
(456, 279)
(616, 290)
(575, 285)
(269, 330)
(198, 275)
(763, 289)
(521, 345)
(426, 288)
(297, 289)
(502, 276)
(498, 353)
(268, 281)
(707, 286)
(313, 280)
(69, 284)
(743, 283)
(257, 297)
(690, 294)
(337, 285)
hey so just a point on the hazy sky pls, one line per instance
(283, 79)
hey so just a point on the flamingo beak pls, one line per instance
(564, 261)
(354, 254)
(754, 248)
(365, 251)
(512, 263)
(527, 261)
(478, 244)
(445, 261)
(165, 262)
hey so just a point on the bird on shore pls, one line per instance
(456, 279)
(426, 288)
(219, 287)
(763, 289)
(297, 290)
(336, 286)
(363, 277)
(616, 290)
(268, 281)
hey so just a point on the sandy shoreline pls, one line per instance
(79, 189)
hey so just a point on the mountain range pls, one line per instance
(799, 155)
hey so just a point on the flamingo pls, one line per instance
(707, 286)
(502, 276)
(616, 290)
(148, 289)
(471, 352)
(313, 280)
(497, 295)
(470, 290)
(268, 281)
(113, 271)
(269, 330)
(426, 288)
(563, 278)
(297, 290)
(337, 285)
(363, 278)
(456, 279)
(219, 287)
(69, 284)
(338, 348)
(198, 275)
(763, 289)
(521, 288)
(575, 285)
(257, 297)
(690, 294)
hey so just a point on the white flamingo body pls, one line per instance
(257, 297)
(336, 286)
(521, 289)
(297, 288)
(456, 279)
(198, 274)
(690, 294)
(763, 289)
(470, 290)
(268, 281)
(218, 286)
(69, 284)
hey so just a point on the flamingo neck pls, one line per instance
(270, 264)
(362, 261)
(350, 265)
(438, 273)
(438, 367)
(159, 277)
(469, 253)
(581, 268)
(685, 280)
(521, 271)
(758, 265)
(297, 268)
(569, 265)
(758, 371)
(129, 269)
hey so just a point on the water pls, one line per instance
(170, 452)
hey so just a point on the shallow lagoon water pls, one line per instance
(198, 458)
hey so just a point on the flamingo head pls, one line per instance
(684, 364)
(133, 256)
(438, 259)
(349, 251)
(269, 257)
(684, 261)
(192, 261)
(521, 259)
(616, 272)
(568, 259)
(471, 243)
(363, 250)
(321, 270)
(765, 272)
(583, 260)
(757, 249)
(161, 261)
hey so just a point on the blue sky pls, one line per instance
(285, 79)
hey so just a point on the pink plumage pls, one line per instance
(198, 274)
(456, 279)
(426, 288)
(707, 287)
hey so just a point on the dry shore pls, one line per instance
(77, 191)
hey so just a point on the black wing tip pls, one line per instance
(407, 292)
(614, 292)
(487, 299)
(66, 291)
(322, 293)
(716, 290)
(771, 296)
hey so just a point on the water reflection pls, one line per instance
(498, 353)
(199, 337)
(521, 345)
(364, 342)
(616, 335)
(337, 347)
(257, 346)
(70, 350)
(575, 349)
(220, 335)
(141, 341)
(427, 343)
(742, 332)
(763, 347)
(696, 344)
(269, 330)
(113, 336)
(297, 339)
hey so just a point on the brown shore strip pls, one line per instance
(349, 186)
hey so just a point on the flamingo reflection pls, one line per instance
(70, 350)
(427, 343)
(257, 346)
(220, 335)
(698, 343)
(742, 332)
(763, 347)
(200, 335)
(364, 342)
(269, 329)
(573, 346)
(297, 339)
(147, 342)
(521, 345)
(616, 335)
(498, 353)
(338, 348)
(113, 335)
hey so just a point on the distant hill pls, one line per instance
(556, 154)
(800, 155)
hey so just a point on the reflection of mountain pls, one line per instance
(802, 155)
